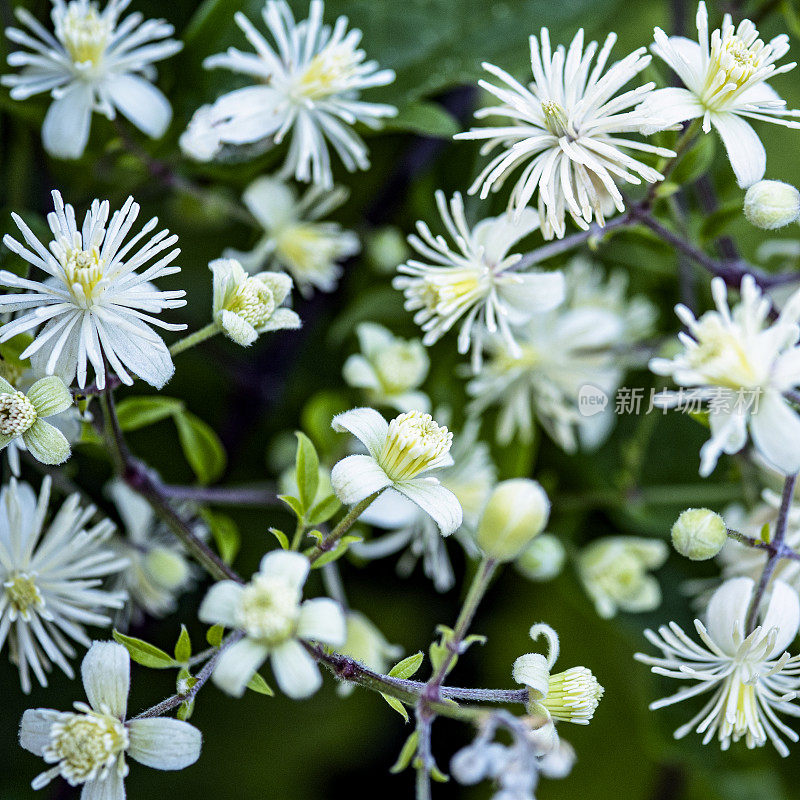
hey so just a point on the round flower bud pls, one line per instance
(167, 568)
(771, 204)
(699, 534)
(516, 512)
(542, 559)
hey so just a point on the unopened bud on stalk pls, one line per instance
(771, 204)
(542, 559)
(699, 534)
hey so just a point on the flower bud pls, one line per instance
(166, 568)
(699, 534)
(542, 559)
(771, 204)
(516, 512)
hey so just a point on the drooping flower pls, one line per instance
(614, 571)
(388, 368)
(725, 82)
(50, 579)
(309, 86)
(473, 281)
(739, 366)
(751, 678)
(295, 238)
(401, 454)
(569, 130)
(94, 306)
(269, 612)
(246, 306)
(91, 62)
(87, 746)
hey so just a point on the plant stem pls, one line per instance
(212, 329)
(256, 496)
(299, 530)
(347, 522)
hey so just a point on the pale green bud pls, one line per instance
(387, 248)
(166, 568)
(699, 534)
(542, 559)
(515, 514)
(771, 204)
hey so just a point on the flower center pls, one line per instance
(86, 746)
(453, 290)
(401, 366)
(269, 609)
(17, 413)
(329, 72)
(721, 357)
(84, 33)
(253, 302)
(573, 695)
(23, 595)
(83, 271)
(306, 248)
(734, 59)
(555, 118)
(415, 443)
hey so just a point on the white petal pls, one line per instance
(390, 510)
(322, 620)
(237, 329)
(783, 613)
(440, 503)
(365, 424)
(534, 292)
(220, 604)
(531, 670)
(356, 477)
(238, 664)
(164, 743)
(499, 234)
(34, 730)
(775, 429)
(728, 605)
(66, 125)
(270, 201)
(745, 151)
(145, 356)
(284, 564)
(140, 101)
(358, 372)
(106, 674)
(295, 670)
(667, 107)
(110, 788)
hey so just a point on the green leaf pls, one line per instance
(201, 446)
(715, 224)
(139, 412)
(696, 162)
(306, 470)
(765, 533)
(225, 532)
(407, 667)
(337, 552)
(406, 754)
(144, 653)
(214, 635)
(425, 118)
(323, 510)
(259, 685)
(282, 538)
(396, 705)
(183, 647)
(294, 503)
(185, 710)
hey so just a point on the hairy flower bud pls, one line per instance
(771, 204)
(542, 559)
(699, 534)
(516, 512)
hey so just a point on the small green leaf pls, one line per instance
(282, 538)
(139, 412)
(408, 666)
(765, 533)
(183, 647)
(323, 510)
(185, 709)
(214, 635)
(201, 446)
(716, 223)
(144, 653)
(294, 503)
(337, 552)
(695, 162)
(406, 754)
(306, 470)
(225, 532)
(437, 654)
(258, 684)
(396, 705)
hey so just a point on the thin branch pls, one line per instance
(255, 496)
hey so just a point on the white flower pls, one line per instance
(741, 366)
(725, 81)
(92, 63)
(274, 622)
(309, 86)
(614, 572)
(474, 282)
(366, 644)
(581, 344)
(94, 306)
(294, 237)
(750, 675)
(566, 130)
(50, 579)
(246, 306)
(389, 369)
(401, 454)
(88, 746)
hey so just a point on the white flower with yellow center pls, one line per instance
(725, 81)
(309, 86)
(568, 130)
(246, 306)
(389, 369)
(94, 62)
(87, 747)
(742, 365)
(50, 579)
(474, 281)
(402, 453)
(614, 572)
(94, 306)
(295, 237)
(750, 676)
(274, 621)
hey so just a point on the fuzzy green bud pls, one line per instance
(166, 568)
(515, 514)
(771, 204)
(542, 559)
(699, 534)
